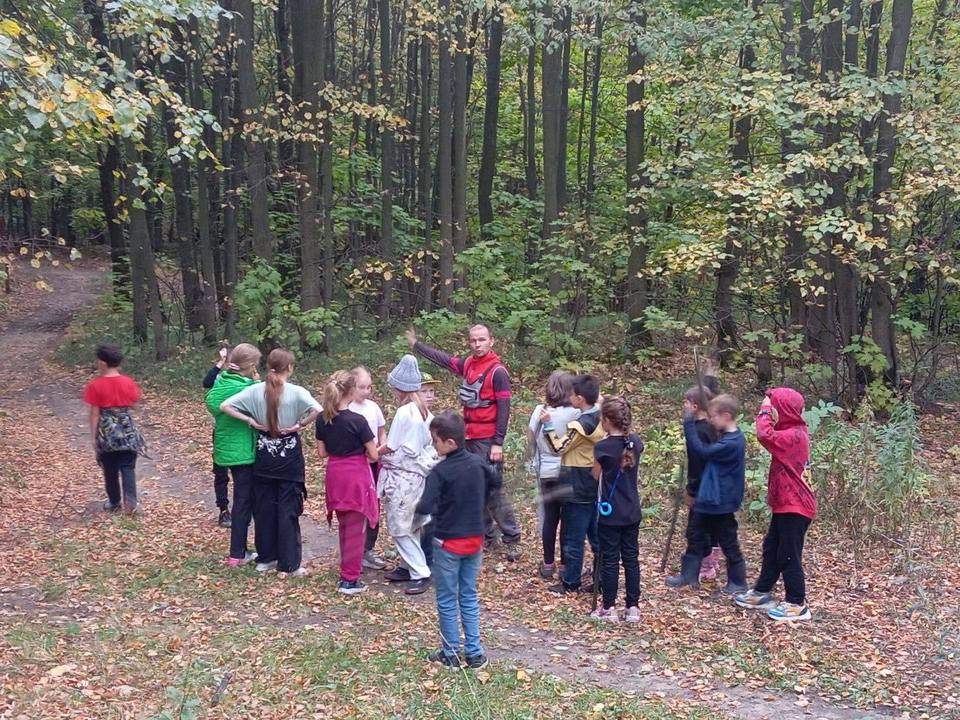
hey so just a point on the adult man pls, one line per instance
(485, 396)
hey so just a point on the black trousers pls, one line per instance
(242, 508)
(497, 508)
(278, 505)
(117, 466)
(703, 530)
(551, 503)
(620, 544)
(783, 556)
(221, 481)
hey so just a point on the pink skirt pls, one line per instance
(349, 487)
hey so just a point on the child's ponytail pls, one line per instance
(278, 361)
(616, 411)
(339, 386)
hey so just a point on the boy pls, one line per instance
(579, 514)
(694, 403)
(454, 495)
(115, 438)
(782, 430)
(221, 475)
(718, 497)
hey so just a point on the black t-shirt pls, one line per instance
(624, 497)
(346, 434)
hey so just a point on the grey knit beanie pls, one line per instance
(406, 376)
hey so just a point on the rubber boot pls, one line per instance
(689, 573)
(736, 578)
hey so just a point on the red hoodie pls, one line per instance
(789, 445)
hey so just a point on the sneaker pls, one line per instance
(418, 587)
(788, 612)
(547, 570)
(450, 661)
(110, 507)
(224, 520)
(477, 662)
(397, 575)
(345, 587)
(632, 615)
(267, 567)
(245, 560)
(606, 614)
(299, 572)
(513, 552)
(753, 600)
(373, 561)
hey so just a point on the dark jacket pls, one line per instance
(706, 435)
(454, 495)
(724, 472)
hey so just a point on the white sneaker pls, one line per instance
(299, 572)
(606, 614)
(267, 567)
(373, 561)
(246, 560)
(632, 615)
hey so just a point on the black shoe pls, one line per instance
(397, 575)
(110, 507)
(224, 520)
(345, 587)
(513, 552)
(417, 587)
(562, 589)
(477, 662)
(689, 573)
(450, 661)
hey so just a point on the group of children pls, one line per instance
(586, 460)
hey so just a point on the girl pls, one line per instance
(407, 458)
(234, 445)
(346, 438)
(115, 437)
(278, 409)
(363, 405)
(546, 463)
(615, 466)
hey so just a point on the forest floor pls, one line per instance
(103, 616)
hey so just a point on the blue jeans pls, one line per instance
(580, 523)
(455, 580)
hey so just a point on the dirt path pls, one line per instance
(36, 335)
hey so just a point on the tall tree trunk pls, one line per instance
(326, 163)
(567, 24)
(636, 300)
(250, 126)
(789, 147)
(491, 118)
(386, 161)
(445, 158)
(553, 115)
(461, 92)
(530, 133)
(281, 24)
(594, 113)
(231, 155)
(425, 203)
(881, 297)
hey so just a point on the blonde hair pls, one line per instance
(243, 359)
(339, 386)
(725, 404)
(359, 371)
(278, 361)
(413, 397)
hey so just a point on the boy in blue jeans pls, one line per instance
(455, 492)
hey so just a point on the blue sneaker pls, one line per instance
(753, 600)
(788, 612)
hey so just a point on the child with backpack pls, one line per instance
(346, 439)
(234, 445)
(615, 466)
(575, 447)
(115, 437)
(718, 498)
(454, 496)
(279, 410)
(782, 430)
(363, 405)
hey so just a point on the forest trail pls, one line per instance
(32, 339)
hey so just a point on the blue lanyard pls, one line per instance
(605, 508)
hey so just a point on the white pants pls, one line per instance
(411, 555)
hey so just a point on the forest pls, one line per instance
(601, 181)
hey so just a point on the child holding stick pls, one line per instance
(782, 430)
(363, 405)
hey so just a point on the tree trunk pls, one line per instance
(231, 155)
(881, 297)
(636, 300)
(461, 92)
(425, 203)
(326, 164)
(567, 23)
(491, 118)
(594, 114)
(789, 147)
(281, 24)
(445, 158)
(250, 126)
(386, 161)
(530, 132)
(553, 115)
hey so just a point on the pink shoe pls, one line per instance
(710, 565)
(237, 562)
(607, 614)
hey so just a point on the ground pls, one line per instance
(103, 616)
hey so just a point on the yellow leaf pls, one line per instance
(23, 251)
(55, 263)
(48, 106)
(33, 61)
(388, 276)
(61, 670)
(10, 28)
(71, 90)
(523, 676)
(35, 263)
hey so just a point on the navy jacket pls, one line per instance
(724, 470)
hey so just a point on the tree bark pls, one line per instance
(386, 161)
(231, 155)
(789, 147)
(552, 95)
(425, 204)
(491, 118)
(445, 158)
(461, 92)
(530, 127)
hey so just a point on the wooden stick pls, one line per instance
(678, 501)
(218, 694)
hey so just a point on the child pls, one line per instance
(279, 410)
(782, 430)
(615, 466)
(404, 473)
(718, 497)
(346, 438)
(579, 514)
(221, 475)
(546, 462)
(234, 446)
(428, 389)
(454, 495)
(363, 405)
(115, 438)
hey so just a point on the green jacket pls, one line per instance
(234, 441)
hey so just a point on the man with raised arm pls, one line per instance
(485, 397)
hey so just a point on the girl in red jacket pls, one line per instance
(782, 430)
